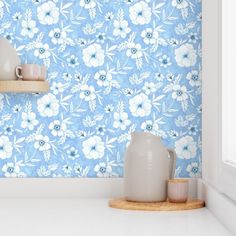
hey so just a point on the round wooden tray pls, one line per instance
(156, 206)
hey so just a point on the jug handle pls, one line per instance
(172, 154)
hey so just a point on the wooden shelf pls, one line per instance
(19, 86)
(156, 206)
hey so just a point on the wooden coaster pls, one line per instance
(155, 206)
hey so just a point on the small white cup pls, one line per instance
(178, 190)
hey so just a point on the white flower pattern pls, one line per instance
(103, 170)
(48, 105)
(140, 105)
(186, 147)
(93, 148)
(140, 13)
(93, 55)
(121, 120)
(121, 28)
(5, 147)
(11, 170)
(29, 28)
(194, 170)
(186, 56)
(28, 120)
(48, 13)
(114, 67)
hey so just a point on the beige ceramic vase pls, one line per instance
(8, 60)
(148, 167)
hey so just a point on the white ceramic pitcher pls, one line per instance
(148, 166)
(8, 60)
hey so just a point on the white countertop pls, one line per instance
(90, 217)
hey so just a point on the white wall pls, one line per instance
(69, 188)
(211, 101)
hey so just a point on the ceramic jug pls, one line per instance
(8, 60)
(148, 167)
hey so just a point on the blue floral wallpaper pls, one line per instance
(114, 67)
